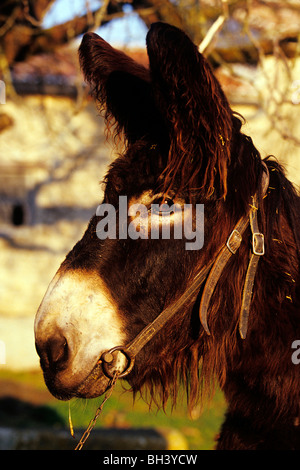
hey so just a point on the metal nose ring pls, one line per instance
(107, 359)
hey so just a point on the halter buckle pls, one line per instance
(234, 241)
(258, 244)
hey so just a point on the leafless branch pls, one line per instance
(215, 28)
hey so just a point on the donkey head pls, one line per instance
(182, 148)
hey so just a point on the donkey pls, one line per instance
(224, 312)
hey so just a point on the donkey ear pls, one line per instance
(196, 111)
(122, 87)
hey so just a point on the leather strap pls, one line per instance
(230, 248)
(149, 331)
(132, 349)
(258, 250)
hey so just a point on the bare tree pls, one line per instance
(227, 31)
(22, 33)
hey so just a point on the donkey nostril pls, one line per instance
(57, 351)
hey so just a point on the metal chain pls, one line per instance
(92, 423)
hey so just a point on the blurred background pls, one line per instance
(53, 156)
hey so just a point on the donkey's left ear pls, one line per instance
(196, 110)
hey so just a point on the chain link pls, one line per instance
(92, 423)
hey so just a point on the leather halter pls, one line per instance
(211, 273)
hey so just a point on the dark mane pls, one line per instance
(200, 362)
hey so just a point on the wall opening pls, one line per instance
(18, 215)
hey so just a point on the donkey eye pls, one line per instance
(162, 206)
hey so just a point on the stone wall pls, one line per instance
(65, 148)
(100, 439)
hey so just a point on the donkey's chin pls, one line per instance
(63, 388)
(92, 389)
(94, 385)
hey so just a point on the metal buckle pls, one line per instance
(258, 244)
(234, 241)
